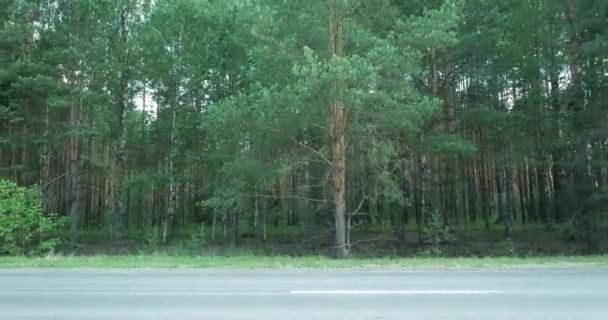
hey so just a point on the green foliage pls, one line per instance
(193, 246)
(507, 247)
(226, 102)
(24, 229)
(152, 238)
(437, 234)
(449, 144)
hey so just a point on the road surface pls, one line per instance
(547, 294)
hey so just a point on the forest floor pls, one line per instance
(164, 261)
(375, 242)
(526, 246)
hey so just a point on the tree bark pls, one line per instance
(557, 171)
(119, 171)
(45, 163)
(75, 172)
(583, 184)
(121, 102)
(172, 203)
(577, 104)
(338, 121)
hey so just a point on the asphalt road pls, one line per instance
(572, 293)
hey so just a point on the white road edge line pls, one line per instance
(393, 292)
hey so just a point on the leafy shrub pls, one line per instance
(24, 229)
(153, 237)
(197, 240)
(507, 248)
(437, 234)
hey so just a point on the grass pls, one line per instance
(164, 261)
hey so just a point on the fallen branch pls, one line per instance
(368, 240)
(48, 183)
(573, 217)
(360, 241)
(326, 231)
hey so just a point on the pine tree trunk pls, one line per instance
(523, 194)
(507, 214)
(485, 194)
(213, 225)
(557, 171)
(424, 173)
(577, 104)
(24, 157)
(256, 217)
(75, 173)
(583, 184)
(235, 229)
(464, 184)
(264, 209)
(172, 203)
(477, 195)
(121, 100)
(45, 164)
(118, 176)
(338, 120)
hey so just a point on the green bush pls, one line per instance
(437, 234)
(23, 227)
(507, 248)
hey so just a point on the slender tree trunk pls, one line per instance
(172, 203)
(338, 121)
(225, 218)
(477, 195)
(505, 200)
(236, 231)
(213, 224)
(582, 179)
(24, 156)
(256, 217)
(121, 103)
(407, 182)
(45, 163)
(577, 103)
(487, 212)
(119, 174)
(559, 174)
(75, 173)
(452, 165)
(12, 162)
(264, 209)
(424, 174)
(523, 194)
(465, 185)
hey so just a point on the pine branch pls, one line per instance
(303, 145)
(356, 212)
(288, 196)
(360, 241)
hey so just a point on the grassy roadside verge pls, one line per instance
(160, 261)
